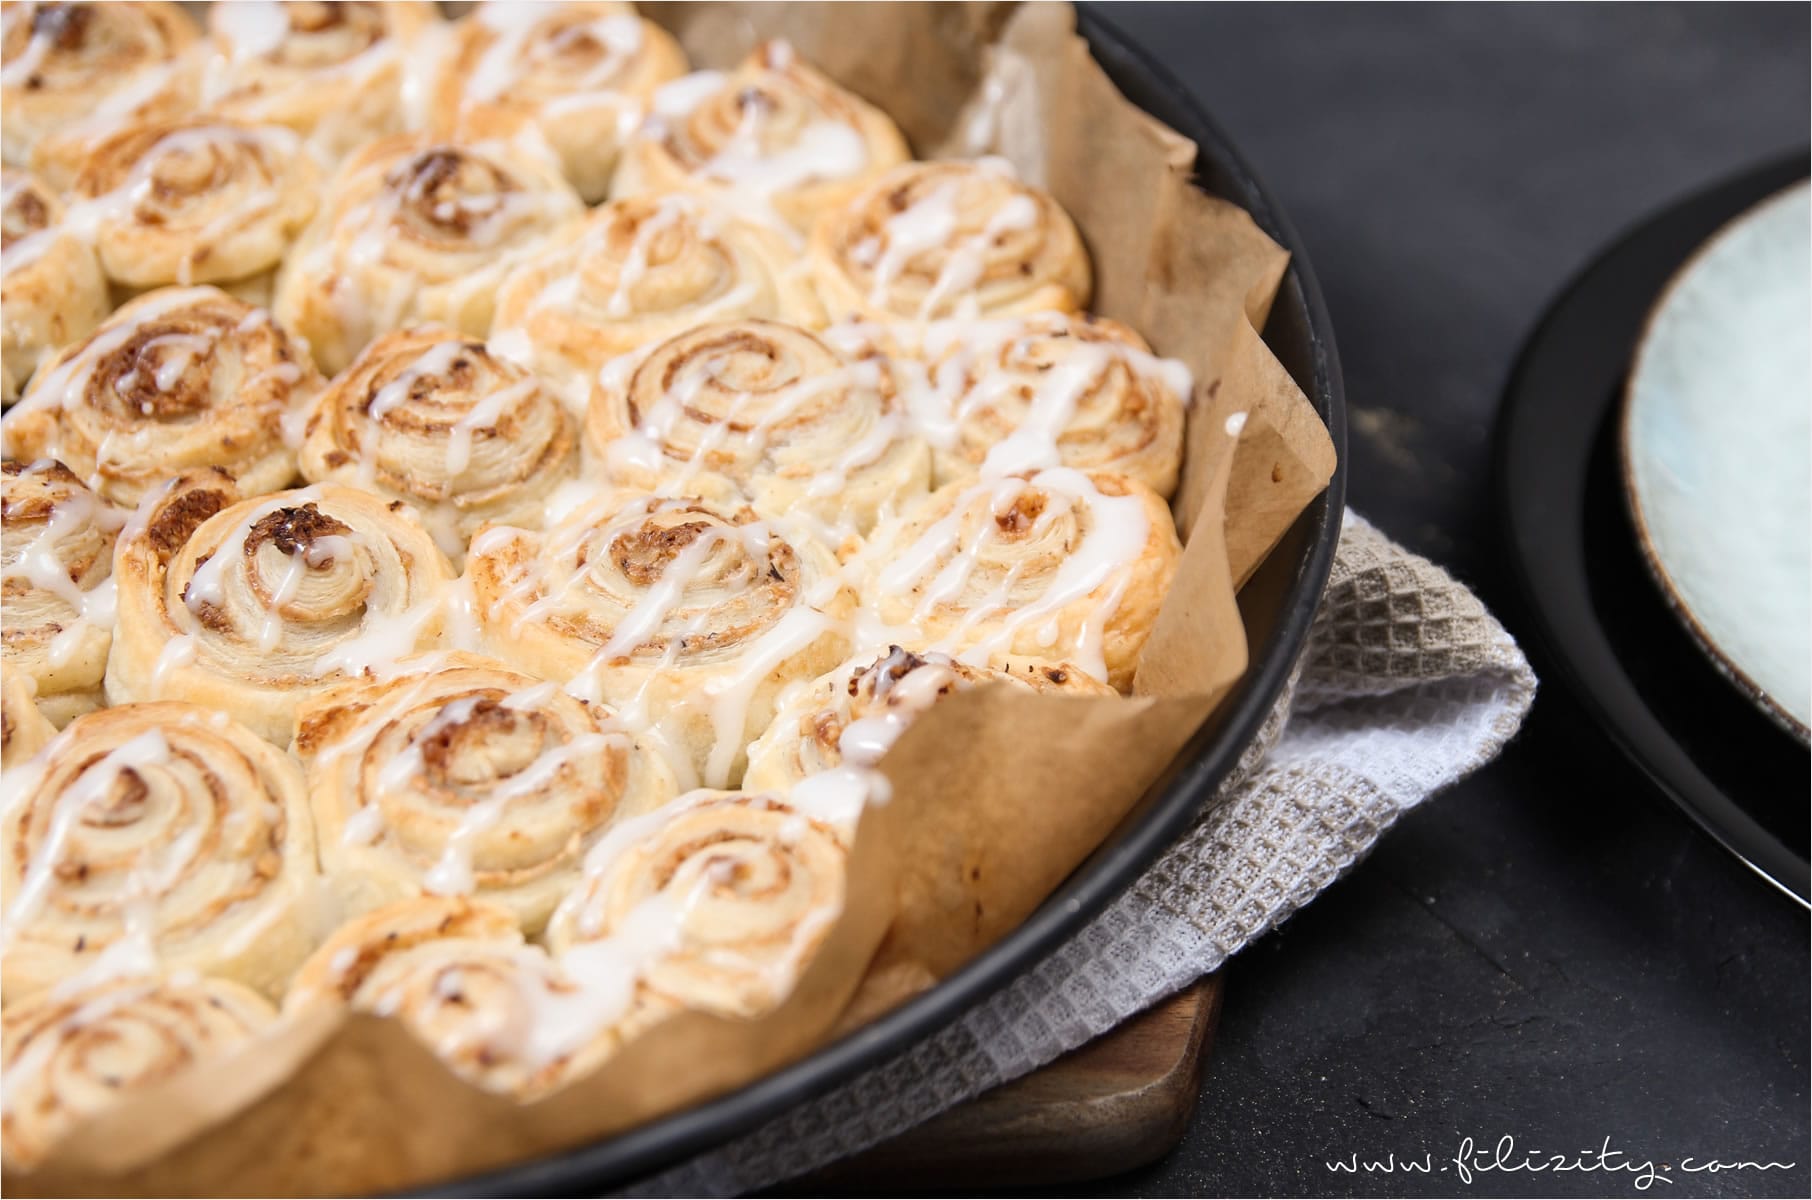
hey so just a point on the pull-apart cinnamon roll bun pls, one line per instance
(179, 378)
(432, 417)
(687, 614)
(53, 291)
(151, 836)
(775, 131)
(419, 228)
(252, 605)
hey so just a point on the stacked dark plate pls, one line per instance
(1611, 622)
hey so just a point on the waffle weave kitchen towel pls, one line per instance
(1406, 686)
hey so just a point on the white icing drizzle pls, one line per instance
(253, 28)
(932, 223)
(1115, 530)
(823, 149)
(516, 25)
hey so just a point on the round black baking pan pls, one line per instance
(1601, 624)
(1290, 583)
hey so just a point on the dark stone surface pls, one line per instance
(1550, 952)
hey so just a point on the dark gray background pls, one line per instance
(1550, 951)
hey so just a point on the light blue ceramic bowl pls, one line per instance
(1717, 451)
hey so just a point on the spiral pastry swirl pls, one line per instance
(252, 605)
(56, 568)
(695, 611)
(196, 201)
(639, 271)
(949, 239)
(333, 73)
(24, 729)
(499, 1012)
(584, 73)
(740, 888)
(768, 408)
(70, 1056)
(52, 291)
(1046, 390)
(428, 416)
(157, 834)
(416, 228)
(854, 714)
(458, 776)
(1057, 564)
(179, 378)
(774, 129)
(74, 71)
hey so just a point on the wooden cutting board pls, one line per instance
(1116, 1103)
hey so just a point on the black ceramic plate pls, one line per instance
(1280, 602)
(1602, 624)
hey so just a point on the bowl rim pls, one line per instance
(1171, 802)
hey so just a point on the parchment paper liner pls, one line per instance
(999, 793)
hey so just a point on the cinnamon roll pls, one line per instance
(854, 714)
(639, 271)
(429, 416)
(52, 291)
(1057, 564)
(719, 900)
(179, 378)
(73, 72)
(1046, 390)
(24, 730)
(196, 201)
(416, 228)
(499, 1012)
(58, 594)
(771, 410)
(582, 72)
(336, 74)
(69, 1055)
(457, 776)
(688, 615)
(252, 605)
(152, 835)
(949, 239)
(774, 132)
